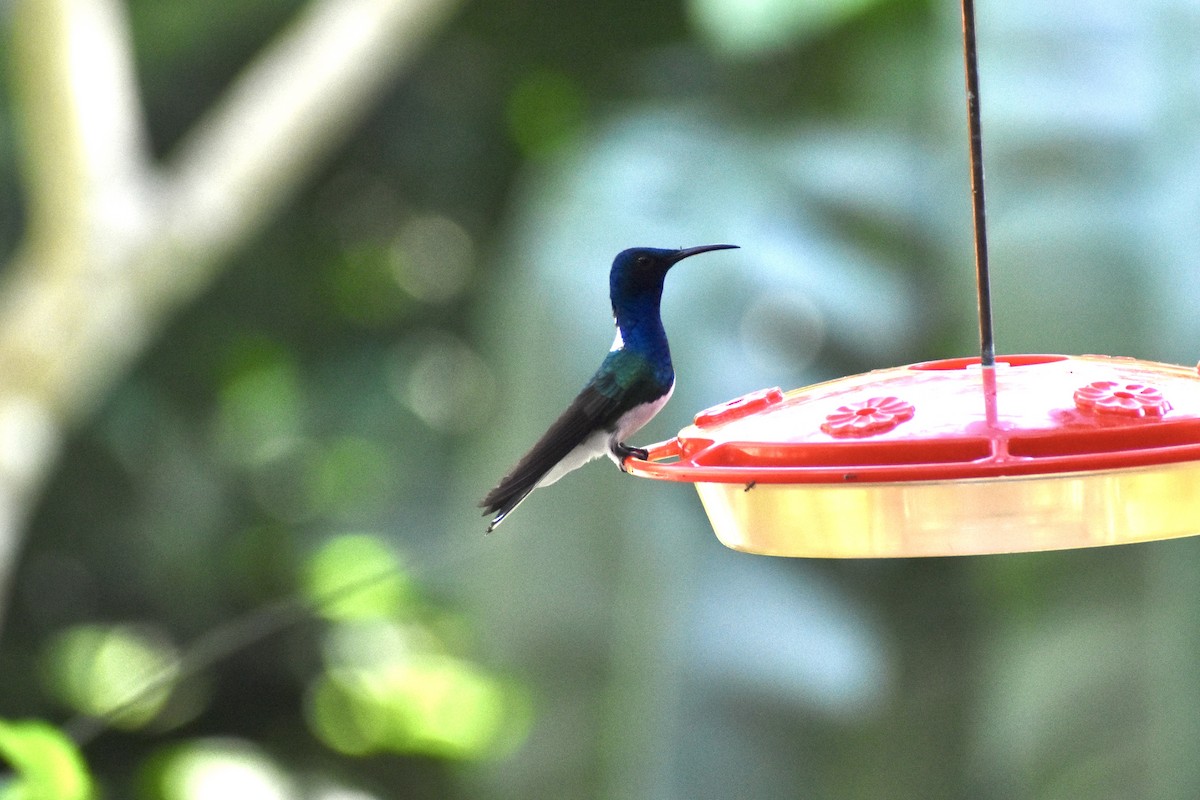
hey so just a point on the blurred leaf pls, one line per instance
(545, 112)
(351, 474)
(357, 577)
(432, 704)
(261, 407)
(48, 766)
(363, 286)
(120, 672)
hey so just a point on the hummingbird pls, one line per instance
(634, 382)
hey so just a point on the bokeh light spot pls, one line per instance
(762, 27)
(783, 331)
(453, 709)
(444, 381)
(432, 258)
(339, 793)
(374, 643)
(357, 577)
(221, 769)
(433, 704)
(123, 671)
(260, 411)
(343, 715)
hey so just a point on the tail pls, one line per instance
(551, 458)
(507, 495)
(580, 434)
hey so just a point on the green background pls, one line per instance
(326, 415)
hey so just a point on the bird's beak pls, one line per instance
(680, 255)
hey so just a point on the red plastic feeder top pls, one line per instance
(946, 458)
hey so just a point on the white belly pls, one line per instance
(601, 443)
(590, 448)
(634, 420)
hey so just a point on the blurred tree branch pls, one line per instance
(115, 242)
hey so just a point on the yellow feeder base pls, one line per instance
(957, 518)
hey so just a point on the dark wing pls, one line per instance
(607, 396)
(584, 416)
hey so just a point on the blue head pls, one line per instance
(636, 282)
(635, 288)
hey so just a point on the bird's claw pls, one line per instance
(624, 451)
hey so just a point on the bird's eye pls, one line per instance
(643, 261)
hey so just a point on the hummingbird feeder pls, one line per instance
(954, 457)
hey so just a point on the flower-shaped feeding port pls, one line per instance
(1124, 399)
(869, 417)
(1041, 452)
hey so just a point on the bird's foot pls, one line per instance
(624, 451)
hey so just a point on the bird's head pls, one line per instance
(640, 271)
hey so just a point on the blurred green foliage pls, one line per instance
(305, 445)
(120, 672)
(44, 762)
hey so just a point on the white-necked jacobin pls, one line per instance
(634, 381)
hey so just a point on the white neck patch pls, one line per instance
(618, 342)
